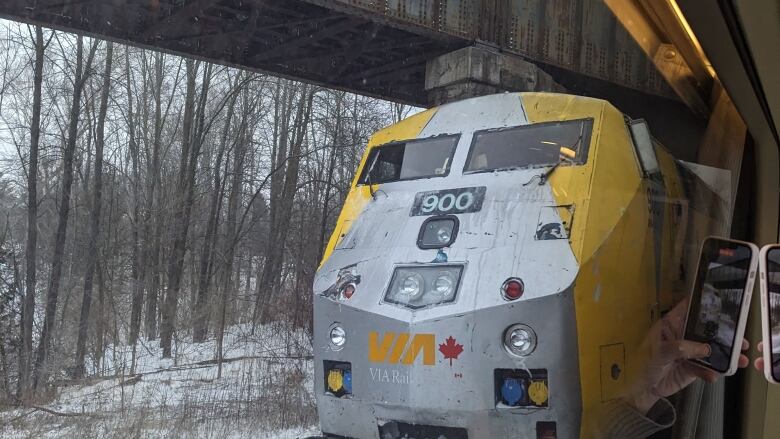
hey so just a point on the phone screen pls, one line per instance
(773, 289)
(716, 301)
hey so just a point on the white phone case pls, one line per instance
(766, 329)
(744, 307)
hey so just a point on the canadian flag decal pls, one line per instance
(451, 349)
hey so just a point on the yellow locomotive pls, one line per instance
(495, 264)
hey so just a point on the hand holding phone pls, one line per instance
(720, 300)
(769, 267)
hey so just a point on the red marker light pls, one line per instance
(348, 291)
(513, 289)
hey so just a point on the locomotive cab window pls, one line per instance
(528, 146)
(410, 160)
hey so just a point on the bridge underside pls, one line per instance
(382, 48)
(374, 48)
(289, 38)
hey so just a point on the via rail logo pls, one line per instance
(404, 348)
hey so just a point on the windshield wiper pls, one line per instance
(368, 175)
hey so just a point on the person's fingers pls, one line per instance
(668, 331)
(745, 344)
(759, 364)
(705, 374)
(676, 317)
(761, 346)
(683, 349)
(680, 310)
(743, 361)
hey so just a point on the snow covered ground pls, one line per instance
(265, 391)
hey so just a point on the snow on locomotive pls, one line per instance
(496, 261)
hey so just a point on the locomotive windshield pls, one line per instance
(530, 146)
(409, 160)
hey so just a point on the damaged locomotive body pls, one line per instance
(495, 263)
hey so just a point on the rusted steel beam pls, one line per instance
(581, 36)
(288, 48)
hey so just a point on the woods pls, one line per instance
(153, 199)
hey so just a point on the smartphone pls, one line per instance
(769, 269)
(720, 301)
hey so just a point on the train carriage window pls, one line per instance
(528, 146)
(410, 160)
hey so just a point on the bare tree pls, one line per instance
(57, 259)
(135, 275)
(94, 231)
(28, 310)
(283, 186)
(200, 314)
(186, 190)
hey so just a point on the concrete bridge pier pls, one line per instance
(481, 70)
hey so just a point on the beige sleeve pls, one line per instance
(618, 420)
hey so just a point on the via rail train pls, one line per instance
(496, 262)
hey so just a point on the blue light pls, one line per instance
(512, 391)
(347, 381)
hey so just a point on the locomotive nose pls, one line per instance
(477, 372)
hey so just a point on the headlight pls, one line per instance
(520, 340)
(438, 232)
(337, 336)
(411, 285)
(445, 284)
(444, 234)
(421, 286)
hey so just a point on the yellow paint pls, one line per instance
(674, 232)
(359, 196)
(615, 292)
(398, 349)
(395, 348)
(538, 392)
(335, 380)
(378, 352)
(613, 366)
(425, 343)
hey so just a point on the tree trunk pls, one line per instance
(135, 271)
(186, 188)
(52, 293)
(153, 224)
(28, 309)
(281, 213)
(94, 231)
(201, 315)
(231, 241)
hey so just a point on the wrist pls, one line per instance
(642, 401)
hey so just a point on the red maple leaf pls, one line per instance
(451, 349)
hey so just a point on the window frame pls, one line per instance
(430, 219)
(364, 172)
(586, 140)
(639, 146)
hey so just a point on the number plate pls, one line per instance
(448, 201)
